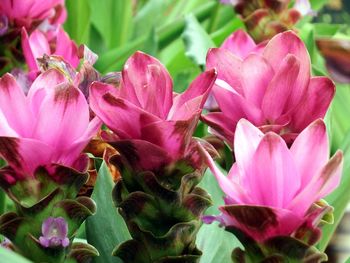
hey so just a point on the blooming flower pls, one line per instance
(38, 44)
(270, 189)
(49, 125)
(33, 12)
(273, 89)
(145, 110)
(54, 232)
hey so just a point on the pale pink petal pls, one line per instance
(321, 184)
(278, 48)
(247, 139)
(63, 115)
(121, 116)
(27, 51)
(193, 99)
(264, 179)
(315, 103)
(280, 89)
(14, 106)
(147, 84)
(228, 67)
(256, 76)
(239, 43)
(311, 151)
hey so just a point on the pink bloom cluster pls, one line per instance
(270, 85)
(156, 123)
(270, 189)
(49, 125)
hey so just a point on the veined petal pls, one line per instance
(120, 115)
(228, 67)
(14, 107)
(311, 159)
(147, 84)
(280, 89)
(272, 178)
(193, 99)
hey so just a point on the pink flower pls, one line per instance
(31, 13)
(273, 90)
(270, 190)
(38, 44)
(48, 126)
(146, 114)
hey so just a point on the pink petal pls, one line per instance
(234, 105)
(256, 76)
(172, 136)
(247, 139)
(14, 107)
(272, 178)
(278, 48)
(25, 155)
(63, 117)
(220, 125)
(228, 67)
(66, 48)
(44, 82)
(193, 99)
(321, 184)
(239, 43)
(120, 115)
(280, 89)
(229, 187)
(310, 151)
(34, 47)
(316, 102)
(147, 84)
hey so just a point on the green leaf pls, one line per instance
(318, 4)
(78, 20)
(106, 228)
(197, 41)
(113, 20)
(7, 255)
(215, 243)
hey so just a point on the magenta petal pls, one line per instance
(228, 67)
(193, 99)
(121, 116)
(239, 43)
(66, 48)
(263, 179)
(280, 89)
(316, 101)
(310, 151)
(256, 76)
(282, 45)
(14, 107)
(147, 84)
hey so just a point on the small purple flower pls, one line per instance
(3, 24)
(54, 232)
